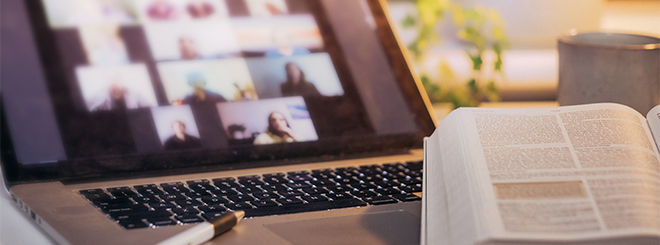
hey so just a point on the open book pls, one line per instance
(587, 174)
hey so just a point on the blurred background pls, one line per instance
(476, 52)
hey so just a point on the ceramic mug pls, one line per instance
(609, 67)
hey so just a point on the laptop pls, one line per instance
(128, 121)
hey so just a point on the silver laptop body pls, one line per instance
(59, 137)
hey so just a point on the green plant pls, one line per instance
(481, 31)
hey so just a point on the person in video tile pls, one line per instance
(188, 48)
(278, 131)
(199, 9)
(200, 95)
(296, 84)
(180, 140)
(117, 97)
(161, 10)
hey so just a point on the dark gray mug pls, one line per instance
(609, 67)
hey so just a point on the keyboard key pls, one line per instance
(300, 178)
(151, 214)
(275, 187)
(408, 197)
(150, 191)
(323, 183)
(265, 196)
(290, 193)
(184, 211)
(248, 190)
(414, 188)
(129, 215)
(97, 197)
(190, 219)
(263, 203)
(366, 193)
(411, 181)
(213, 200)
(174, 197)
(161, 221)
(175, 188)
(371, 178)
(350, 181)
(289, 201)
(185, 203)
(315, 198)
(200, 194)
(224, 192)
(122, 191)
(378, 200)
(138, 215)
(226, 182)
(145, 187)
(313, 191)
(212, 209)
(107, 202)
(388, 191)
(162, 206)
(241, 198)
(298, 185)
(251, 183)
(125, 208)
(198, 182)
(340, 189)
(384, 184)
(132, 224)
(238, 206)
(338, 196)
(147, 199)
(275, 178)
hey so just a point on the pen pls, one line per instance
(206, 231)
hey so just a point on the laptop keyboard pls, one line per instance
(194, 201)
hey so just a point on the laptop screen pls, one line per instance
(185, 82)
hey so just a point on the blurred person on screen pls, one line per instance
(245, 92)
(161, 10)
(188, 48)
(278, 131)
(200, 95)
(117, 97)
(181, 140)
(296, 83)
(199, 9)
(103, 45)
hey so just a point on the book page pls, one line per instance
(446, 194)
(565, 173)
(653, 119)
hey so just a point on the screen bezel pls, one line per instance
(217, 160)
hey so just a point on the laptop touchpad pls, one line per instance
(394, 227)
